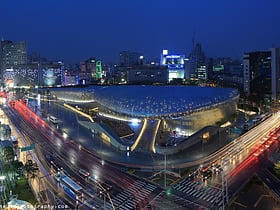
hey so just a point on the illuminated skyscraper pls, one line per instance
(12, 54)
(197, 63)
(257, 75)
(275, 73)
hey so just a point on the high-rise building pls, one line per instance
(128, 61)
(128, 58)
(275, 73)
(196, 63)
(257, 73)
(34, 75)
(12, 54)
(261, 74)
(94, 69)
(202, 72)
(148, 74)
(91, 68)
(175, 65)
(34, 58)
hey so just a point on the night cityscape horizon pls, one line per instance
(103, 29)
(140, 105)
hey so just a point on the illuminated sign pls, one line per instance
(165, 52)
(175, 65)
(98, 70)
(174, 61)
(173, 56)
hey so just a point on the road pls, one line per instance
(236, 158)
(70, 157)
(240, 159)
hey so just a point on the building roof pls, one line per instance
(149, 101)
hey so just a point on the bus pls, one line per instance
(70, 187)
(53, 119)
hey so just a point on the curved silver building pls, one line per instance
(181, 110)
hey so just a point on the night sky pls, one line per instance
(74, 30)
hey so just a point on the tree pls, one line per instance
(18, 167)
(31, 168)
(9, 154)
(277, 168)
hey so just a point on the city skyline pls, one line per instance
(72, 31)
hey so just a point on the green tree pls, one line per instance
(31, 168)
(277, 168)
(9, 154)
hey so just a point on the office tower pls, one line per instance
(34, 58)
(275, 74)
(93, 69)
(202, 72)
(257, 75)
(128, 59)
(175, 64)
(13, 54)
(197, 66)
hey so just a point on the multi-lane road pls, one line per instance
(130, 192)
(238, 161)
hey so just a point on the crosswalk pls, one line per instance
(194, 190)
(132, 196)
